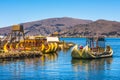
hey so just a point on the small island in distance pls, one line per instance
(69, 27)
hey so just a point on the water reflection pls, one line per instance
(92, 65)
(19, 67)
(49, 57)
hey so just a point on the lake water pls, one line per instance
(60, 66)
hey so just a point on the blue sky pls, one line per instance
(20, 11)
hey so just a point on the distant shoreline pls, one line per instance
(85, 37)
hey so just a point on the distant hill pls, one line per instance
(47, 26)
(99, 27)
(69, 27)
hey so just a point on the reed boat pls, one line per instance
(17, 42)
(95, 48)
(31, 44)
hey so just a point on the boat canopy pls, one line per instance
(94, 42)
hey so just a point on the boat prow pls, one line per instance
(75, 52)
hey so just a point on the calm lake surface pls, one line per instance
(60, 66)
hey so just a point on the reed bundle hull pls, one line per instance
(87, 53)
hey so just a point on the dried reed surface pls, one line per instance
(23, 54)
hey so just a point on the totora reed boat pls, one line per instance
(95, 48)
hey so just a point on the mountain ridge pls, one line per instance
(67, 26)
(47, 26)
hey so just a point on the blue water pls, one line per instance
(61, 66)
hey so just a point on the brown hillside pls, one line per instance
(99, 27)
(48, 26)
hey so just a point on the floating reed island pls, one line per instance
(16, 45)
(19, 55)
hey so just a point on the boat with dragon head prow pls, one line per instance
(95, 48)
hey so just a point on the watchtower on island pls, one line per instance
(17, 33)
